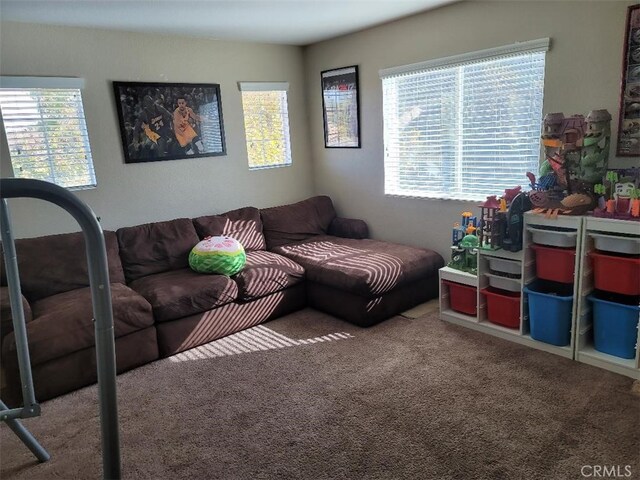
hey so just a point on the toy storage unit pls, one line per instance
(502, 275)
(609, 291)
(499, 283)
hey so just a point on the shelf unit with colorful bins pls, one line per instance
(615, 282)
(501, 289)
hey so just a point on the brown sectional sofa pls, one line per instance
(297, 255)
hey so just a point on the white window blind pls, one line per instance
(464, 127)
(46, 131)
(266, 123)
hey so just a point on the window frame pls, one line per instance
(67, 84)
(269, 87)
(447, 64)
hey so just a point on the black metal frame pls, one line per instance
(324, 109)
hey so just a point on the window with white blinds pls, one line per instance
(266, 124)
(464, 127)
(46, 130)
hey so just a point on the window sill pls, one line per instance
(267, 167)
(435, 197)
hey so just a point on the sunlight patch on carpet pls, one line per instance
(256, 339)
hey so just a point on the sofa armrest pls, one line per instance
(6, 318)
(348, 228)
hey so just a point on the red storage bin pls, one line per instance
(503, 307)
(463, 298)
(618, 274)
(555, 263)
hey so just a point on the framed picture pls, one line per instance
(340, 108)
(169, 121)
(629, 120)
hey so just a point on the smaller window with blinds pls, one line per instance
(266, 124)
(464, 127)
(46, 131)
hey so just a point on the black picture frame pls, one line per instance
(628, 142)
(341, 107)
(169, 121)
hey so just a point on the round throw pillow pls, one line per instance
(223, 255)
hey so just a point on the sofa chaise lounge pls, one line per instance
(297, 255)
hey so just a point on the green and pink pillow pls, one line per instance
(222, 255)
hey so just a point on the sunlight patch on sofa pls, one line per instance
(380, 271)
(224, 320)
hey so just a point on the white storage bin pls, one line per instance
(554, 238)
(512, 267)
(611, 243)
(510, 284)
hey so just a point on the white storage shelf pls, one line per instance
(567, 234)
(504, 261)
(582, 231)
(614, 233)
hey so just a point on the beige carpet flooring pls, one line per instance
(316, 398)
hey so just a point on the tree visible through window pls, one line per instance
(266, 123)
(463, 128)
(47, 135)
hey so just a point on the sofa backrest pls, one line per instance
(58, 263)
(156, 247)
(297, 221)
(243, 224)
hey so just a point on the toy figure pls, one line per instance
(619, 195)
(622, 197)
(596, 144)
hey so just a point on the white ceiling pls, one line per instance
(295, 22)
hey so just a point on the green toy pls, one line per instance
(464, 255)
(221, 255)
(595, 147)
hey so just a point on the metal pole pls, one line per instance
(101, 298)
(24, 435)
(15, 298)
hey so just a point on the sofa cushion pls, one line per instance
(178, 293)
(63, 323)
(298, 221)
(58, 263)
(6, 315)
(156, 247)
(243, 224)
(367, 268)
(266, 273)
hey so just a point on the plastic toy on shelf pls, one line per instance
(492, 221)
(576, 158)
(619, 195)
(468, 225)
(464, 251)
(501, 221)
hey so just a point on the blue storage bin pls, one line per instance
(615, 327)
(550, 310)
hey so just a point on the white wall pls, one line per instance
(582, 73)
(129, 194)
